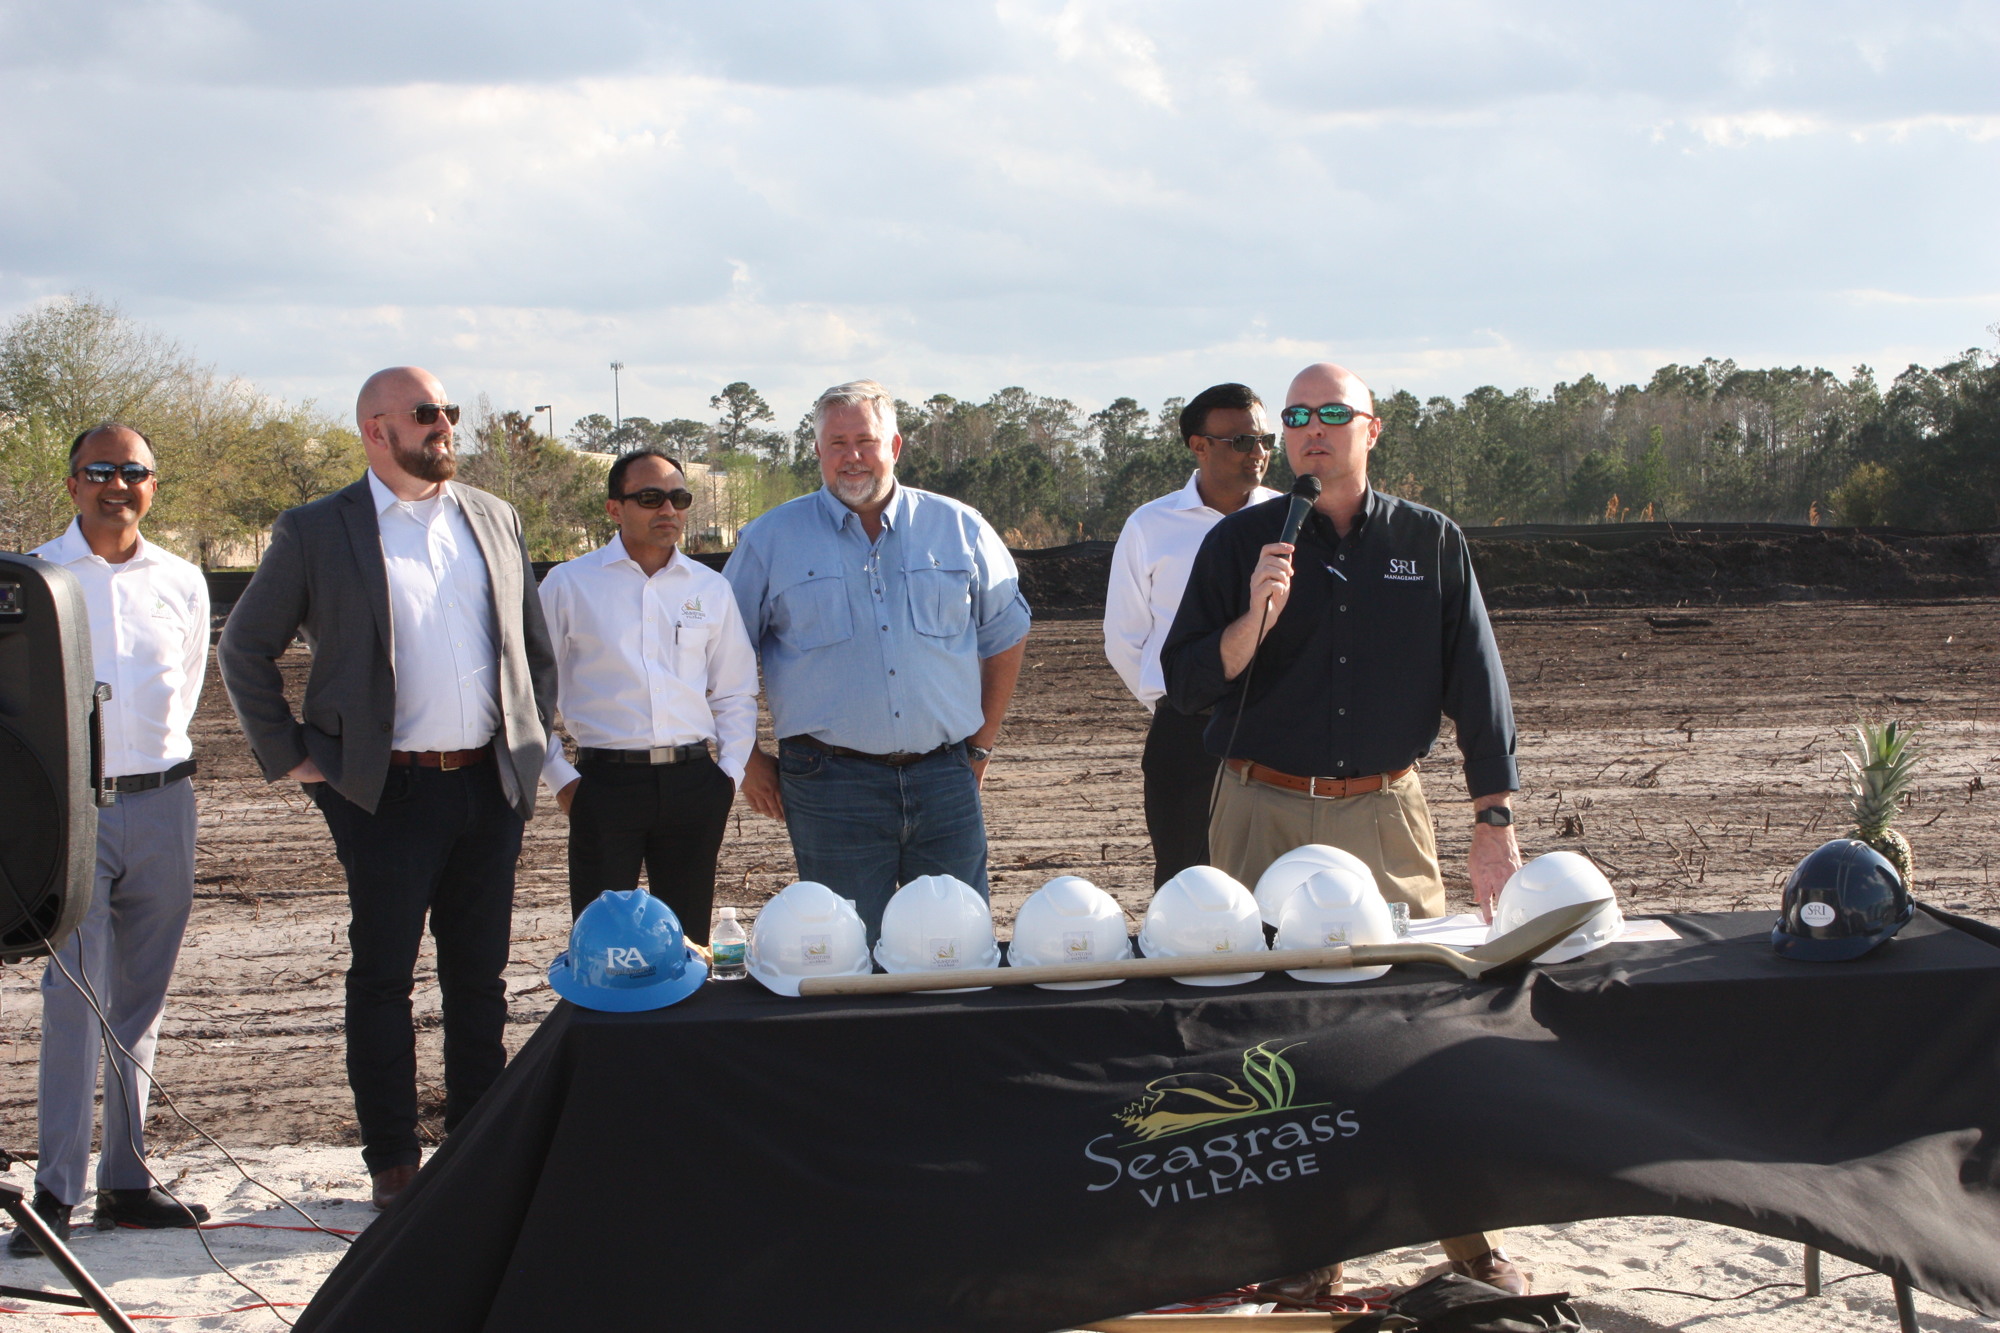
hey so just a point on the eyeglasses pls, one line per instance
(1333, 414)
(426, 413)
(1246, 444)
(652, 497)
(99, 473)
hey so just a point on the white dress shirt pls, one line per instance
(1149, 572)
(148, 642)
(440, 623)
(644, 662)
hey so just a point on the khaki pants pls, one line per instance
(1255, 824)
(1390, 829)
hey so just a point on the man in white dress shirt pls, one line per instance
(1231, 440)
(655, 676)
(149, 642)
(421, 738)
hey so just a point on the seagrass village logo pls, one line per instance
(1286, 1146)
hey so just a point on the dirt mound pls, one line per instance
(1642, 565)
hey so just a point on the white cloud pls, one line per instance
(1090, 197)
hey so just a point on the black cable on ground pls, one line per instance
(1768, 1286)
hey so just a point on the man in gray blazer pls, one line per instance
(426, 719)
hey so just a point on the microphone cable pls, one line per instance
(1305, 490)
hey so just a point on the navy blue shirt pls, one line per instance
(1383, 631)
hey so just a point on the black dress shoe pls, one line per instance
(22, 1245)
(151, 1209)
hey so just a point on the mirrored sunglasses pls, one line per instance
(652, 497)
(99, 473)
(1333, 414)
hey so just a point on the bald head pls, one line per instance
(412, 452)
(1326, 382)
(398, 388)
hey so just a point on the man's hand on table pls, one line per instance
(1494, 858)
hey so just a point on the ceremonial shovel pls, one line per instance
(1515, 947)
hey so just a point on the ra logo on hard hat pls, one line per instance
(1333, 934)
(623, 962)
(815, 950)
(944, 952)
(1077, 946)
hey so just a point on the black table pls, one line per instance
(1023, 1160)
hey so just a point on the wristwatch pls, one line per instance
(978, 754)
(1499, 816)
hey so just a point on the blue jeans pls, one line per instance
(864, 829)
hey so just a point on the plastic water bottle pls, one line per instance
(730, 946)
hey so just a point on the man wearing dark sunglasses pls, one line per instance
(1224, 427)
(425, 724)
(658, 687)
(149, 641)
(1363, 633)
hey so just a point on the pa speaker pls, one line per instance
(48, 784)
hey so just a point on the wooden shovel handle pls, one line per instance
(1273, 960)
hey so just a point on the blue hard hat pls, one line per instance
(627, 954)
(1842, 900)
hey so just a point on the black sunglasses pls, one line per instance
(1246, 444)
(99, 473)
(426, 413)
(1333, 414)
(652, 497)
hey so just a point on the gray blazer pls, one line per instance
(324, 575)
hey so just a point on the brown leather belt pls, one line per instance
(441, 759)
(1323, 789)
(900, 760)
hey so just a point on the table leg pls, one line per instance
(1906, 1306)
(1812, 1270)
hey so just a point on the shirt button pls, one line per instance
(892, 671)
(1343, 608)
(885, 629)
(1340, 763)
(1343, 712)
(1343, 661)
(1340, 557)
(899, 715)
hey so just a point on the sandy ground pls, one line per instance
(165, 1273)
(1693, 753)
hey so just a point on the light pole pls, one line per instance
(550, 408)
(617, 413)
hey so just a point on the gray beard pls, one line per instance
(862, 492)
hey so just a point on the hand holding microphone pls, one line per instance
(1271, 581)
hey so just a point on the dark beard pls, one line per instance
(421, 464)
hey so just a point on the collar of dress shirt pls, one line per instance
(384, 497)
(72, 547)
(613, 552)
(838, 513)
(1189, 496)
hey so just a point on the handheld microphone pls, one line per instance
(1304, 491)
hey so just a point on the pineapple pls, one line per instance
(1878, 776)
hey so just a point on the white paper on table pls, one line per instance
(1465, 929)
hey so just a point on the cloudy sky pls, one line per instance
(1090, 199)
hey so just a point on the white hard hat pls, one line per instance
(937, 923)
(1557, 880)
(1203, 913)
(808, 930)
(1336, 906)
(1295, 868)
(1069, 920)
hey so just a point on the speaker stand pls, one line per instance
(14, 1202)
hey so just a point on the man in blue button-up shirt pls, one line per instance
(890, 624)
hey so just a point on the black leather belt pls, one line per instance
(901, 759)
(659, 754)
(148, 781)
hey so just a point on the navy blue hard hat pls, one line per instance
(627, 953)
(1842, 900)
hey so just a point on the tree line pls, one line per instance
(1712, 441)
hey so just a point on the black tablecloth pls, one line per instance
(1023, 1160)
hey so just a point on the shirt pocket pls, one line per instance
(691, 651)
(811, 605)
(940, 593)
